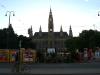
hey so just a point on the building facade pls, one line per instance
(50, 41)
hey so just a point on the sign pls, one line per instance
(97, 54)
(12, 55)
(51, 50)
(4, 55)
(28, 56)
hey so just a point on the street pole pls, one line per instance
(19, 55)
(98, 13)
(94, 27)
(9, 14)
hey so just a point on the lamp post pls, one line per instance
(20, 52)
(98, 13)
(10, 12)
(19, 57)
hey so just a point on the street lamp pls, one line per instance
(20, 52)
(98, 13)
(10, 12)
(19, 58)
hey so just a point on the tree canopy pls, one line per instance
(10, 40)
(86, 39)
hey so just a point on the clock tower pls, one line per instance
(50, 30)
(50, 22)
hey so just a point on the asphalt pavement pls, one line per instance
(45, 69)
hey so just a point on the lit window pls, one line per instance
(50, 29)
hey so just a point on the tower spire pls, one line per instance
(40, 30)
(50, 10)
(50, 3)
(50, 22)
(61, 30)
(70, 32)
(31, 28)
(30, 31)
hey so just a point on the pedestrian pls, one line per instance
(16, 64)
(85, 55)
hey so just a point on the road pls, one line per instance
(72, 68)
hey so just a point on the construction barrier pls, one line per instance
(4, 55)
(26, 55)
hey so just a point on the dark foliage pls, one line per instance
(10, 40)
(86, 39)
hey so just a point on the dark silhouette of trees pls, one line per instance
(86, 39)
(73, 43)
(90, 39)
(10, 40)
(26, 42)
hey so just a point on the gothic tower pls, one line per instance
(50, 22)
(40, 31)
(70, 32)
(61, 31)
(50, 30)
(30, 32)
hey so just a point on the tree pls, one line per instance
(89, 38)
(26, 42)
(10, 40)
(73, 43)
